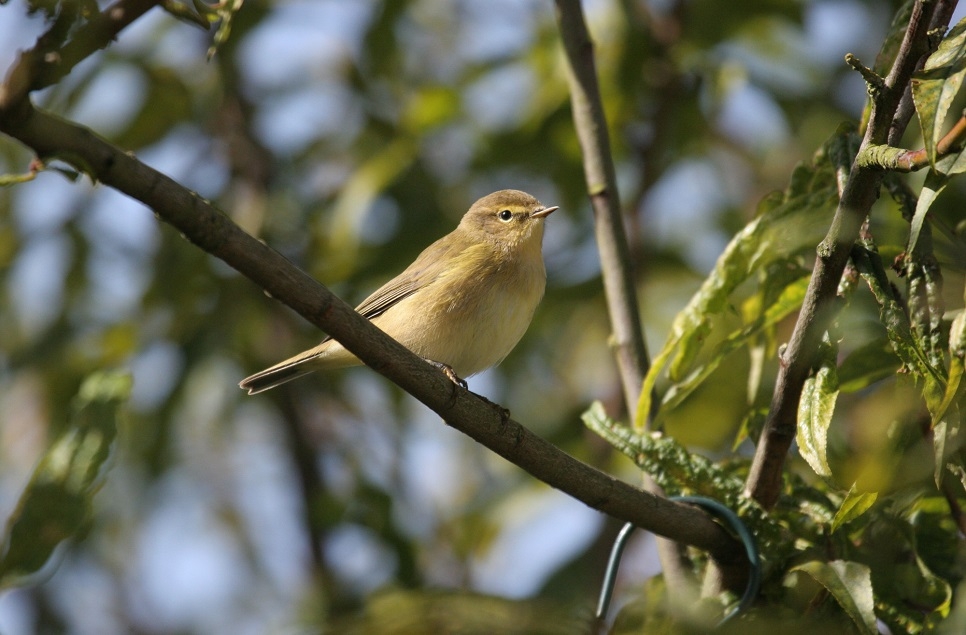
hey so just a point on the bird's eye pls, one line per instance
(505, 215)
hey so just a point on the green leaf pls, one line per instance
(954, 388)
(954, 162)
(955, 624)
(671, 465)
(893, 40)
(935, 87)
(934, 185)
(197, 13)
(226, 12)
(957, 335)
(16, 179)
(910, 350)
(854, 505)
(57, 501)
(850, 583)
(926, 589)
(788, 301)
(431, 108)
(787, 225)
(896, 321)
(944, 431)
(959, 472)
(815, 410)
(866, 365)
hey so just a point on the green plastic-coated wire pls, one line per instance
(717, 509)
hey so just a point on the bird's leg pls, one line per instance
(449, 372)
(456, 379)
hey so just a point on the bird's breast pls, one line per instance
(471, 317)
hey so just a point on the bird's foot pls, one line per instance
(456, 379)
(449, 372)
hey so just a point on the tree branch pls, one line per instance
(209, 229)
(591, 125)
(860, 192)
(46, 64)
(615, 257)
(901, 160)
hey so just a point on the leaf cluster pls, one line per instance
(846, 544)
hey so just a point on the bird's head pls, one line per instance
(510, 219)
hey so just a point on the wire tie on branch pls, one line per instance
(716, 509)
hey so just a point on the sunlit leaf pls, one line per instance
(926, 589)
(57, 501)
(896, 321)
(789, 301)
(850, 583)
(954, 387)
(935, 87)
(815, 410)
(787, 224)
(957, 335)
(954, 162)
(934, 185)
(944, 430)
(855, 504)
(920, 589)
(751, 426)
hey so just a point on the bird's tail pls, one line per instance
(274, 376)
(328, 354)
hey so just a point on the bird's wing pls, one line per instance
(388, 295)
(427, 267)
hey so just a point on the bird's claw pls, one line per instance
(449, 372)
(456, 379)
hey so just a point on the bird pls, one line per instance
(462, 305)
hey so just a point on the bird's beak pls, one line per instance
(546, 211)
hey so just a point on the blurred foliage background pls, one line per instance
(349, 136)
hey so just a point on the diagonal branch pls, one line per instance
(210, 230)
(860, 192)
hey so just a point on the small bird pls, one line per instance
(462, 305)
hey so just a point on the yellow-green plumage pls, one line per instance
(464, 302)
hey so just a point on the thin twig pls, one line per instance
(45, 64)
(872, 80)
(901, 160)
